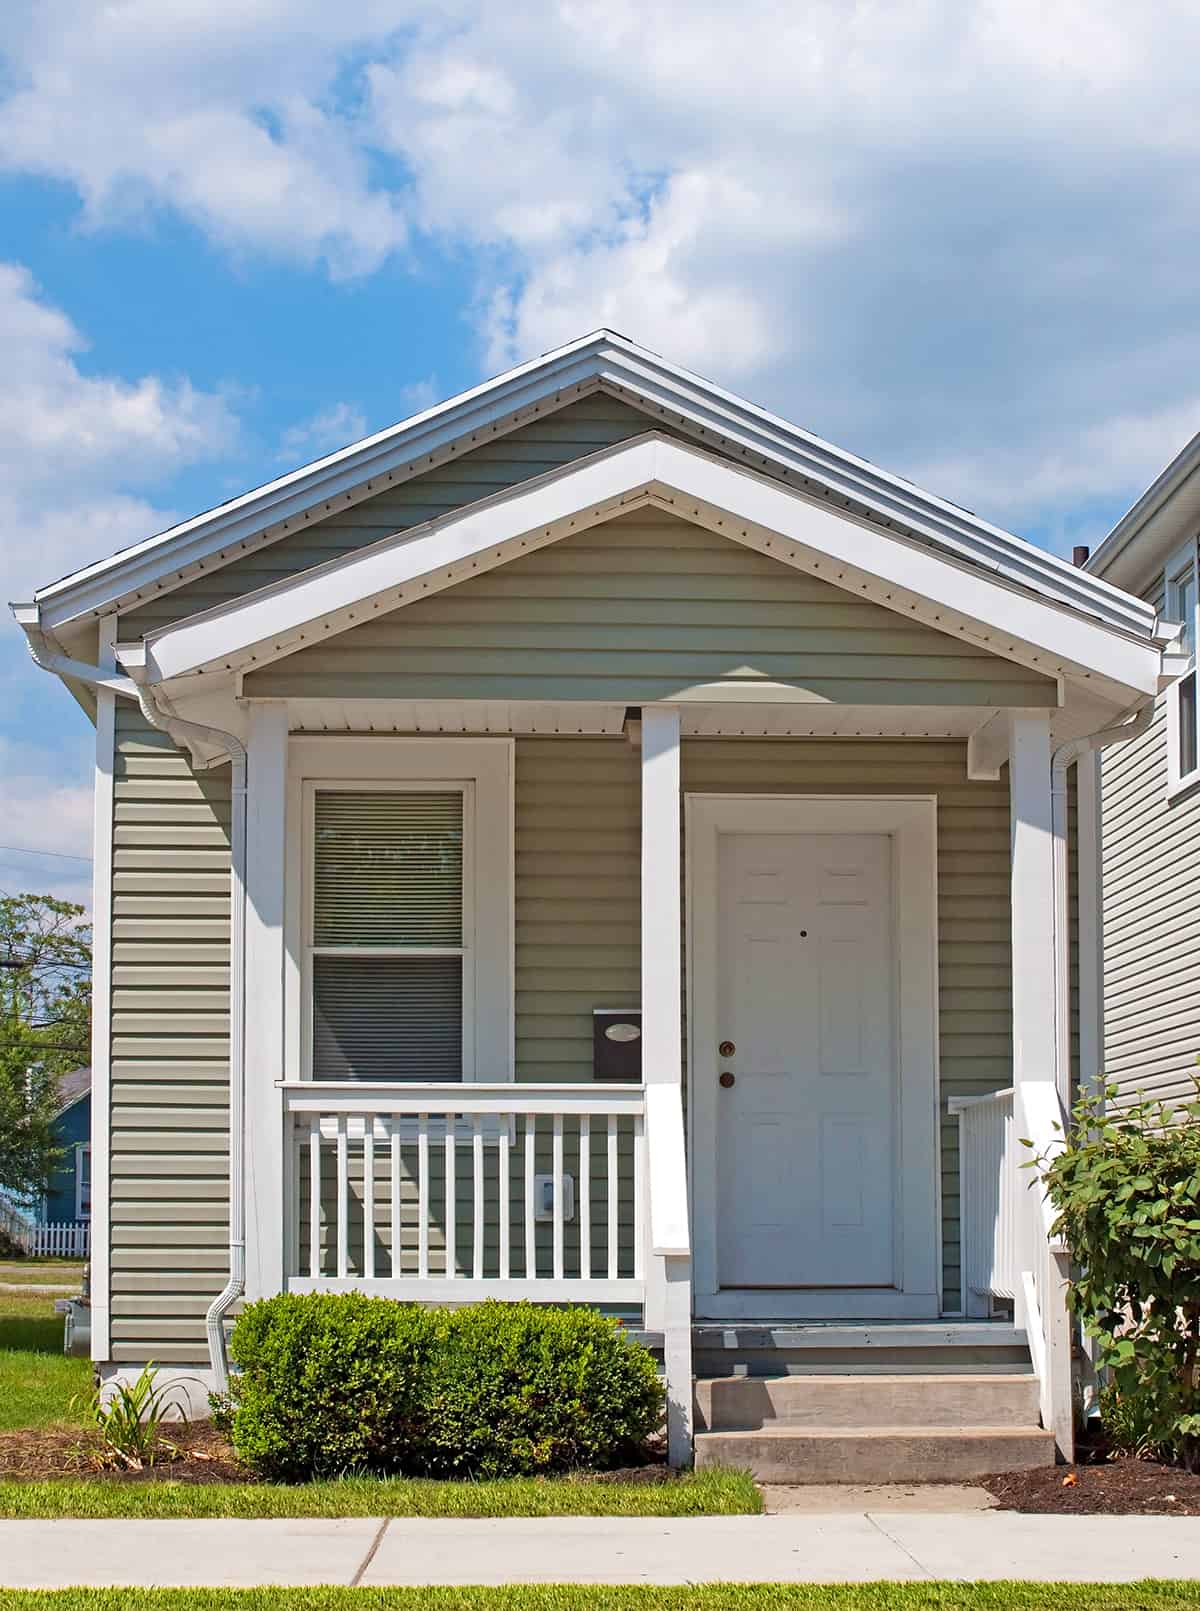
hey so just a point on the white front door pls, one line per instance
(805, 1136)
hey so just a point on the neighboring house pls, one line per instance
(69, 1199)
(1150, 812)
(59, 1221)
(421, 769)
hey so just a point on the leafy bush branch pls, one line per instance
(1126, 1189)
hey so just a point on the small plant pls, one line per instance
(130, 1418)
(1126, 1188)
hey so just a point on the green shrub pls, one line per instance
(518, 1389)
(331, 1384)
(1126, 1188)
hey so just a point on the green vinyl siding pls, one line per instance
(569, 433)
(170, 1049)
(578, 902)
(650, 607)
(577, 947)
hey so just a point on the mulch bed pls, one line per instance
(204, 1456)
(1099, 1485)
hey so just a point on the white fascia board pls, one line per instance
(159, 562)
(602, 360)
(731, 421)
(905, 575)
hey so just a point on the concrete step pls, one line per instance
(748, 1403)
(886, 1348)
(787, 1454)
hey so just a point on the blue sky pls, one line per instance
(958, 237)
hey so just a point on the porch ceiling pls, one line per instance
(911, 579)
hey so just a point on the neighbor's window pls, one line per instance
(1182, 599)
(83, 1181)
(389, 933)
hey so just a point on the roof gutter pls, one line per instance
(47, 659)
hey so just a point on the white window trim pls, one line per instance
(483, 769)
(1184, 558)
(467, 950)
(82, 1149)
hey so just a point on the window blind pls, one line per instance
(389, 868)
(387, 1018)
(388, 880)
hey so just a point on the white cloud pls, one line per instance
(46, 805)
(332, 428)
(954, 235)
(223, 111)
(75, 447)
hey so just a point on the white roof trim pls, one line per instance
(905, 575)
(600, 361)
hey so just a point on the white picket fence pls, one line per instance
(67, 1241)
(58, 1241)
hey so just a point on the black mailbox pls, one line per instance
(617, 1043)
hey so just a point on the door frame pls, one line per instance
(910, 821)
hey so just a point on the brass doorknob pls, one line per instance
(726, 1080)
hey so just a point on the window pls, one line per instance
(83, 1181)
(390, 956)
(1182, 598)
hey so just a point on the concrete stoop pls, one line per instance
(867, 1429)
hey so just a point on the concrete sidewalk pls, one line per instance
(830, 1548)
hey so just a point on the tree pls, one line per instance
(45, 1030)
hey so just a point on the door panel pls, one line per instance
(805, 1134)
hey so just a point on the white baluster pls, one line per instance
(612, 1185)
(505, 1201)
(423, 1196)
(477, 1197)
(369, 1197)
(314, 1196)
(343, 1200)
(558, 1196)
(530, 1233)
(451, 1183)
(584, 1191)
(395, 1187)
(639, 1198)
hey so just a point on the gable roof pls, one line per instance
(602, 361)
(73, 1087)
(913, 577)
(1165, 515)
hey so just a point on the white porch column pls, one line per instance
(267, 1211)
(668, 1259)
(662, 907)
(1032, 896)
(1040, 1303)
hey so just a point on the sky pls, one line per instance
(956, 237)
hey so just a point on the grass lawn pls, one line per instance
(37, 1380)
(703, 1493)
(50, 1273)
(37, 1383)
(719, 1597)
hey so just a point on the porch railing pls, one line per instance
(1008, 1245)
(451, 1193)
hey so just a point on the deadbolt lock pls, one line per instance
(726, 1080)
(727, 1048)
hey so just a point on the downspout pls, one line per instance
(63, 666)
(1120, 733)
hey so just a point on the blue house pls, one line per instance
(69, 1199)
